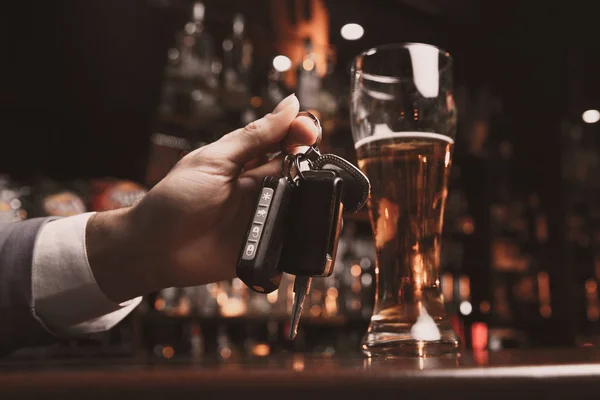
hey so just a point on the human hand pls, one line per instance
(189, 229)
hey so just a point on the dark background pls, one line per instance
(79, 86)
(80, 79)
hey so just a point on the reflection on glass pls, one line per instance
(403, 124)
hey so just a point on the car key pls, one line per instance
(313, 227)
(259, 258)
(301, 291)
(356, 184)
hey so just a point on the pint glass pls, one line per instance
(403, 125)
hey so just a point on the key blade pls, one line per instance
(301, 290)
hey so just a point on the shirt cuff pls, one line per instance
(66, 297)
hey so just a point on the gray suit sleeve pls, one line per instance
(19, 327)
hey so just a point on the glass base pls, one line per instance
(394, 339)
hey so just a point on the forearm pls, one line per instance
(121, 261)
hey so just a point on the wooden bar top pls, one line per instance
(516, 374)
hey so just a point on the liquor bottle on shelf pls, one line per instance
(189, 100)
(458, 224)
(52, 198)
(516, 278)
(581, 168)
(197, 342)
(227, 351)
(330, 95)
(308, 81)
(275, 90)
(237, 60)
(13, 201)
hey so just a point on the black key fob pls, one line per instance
(258, 261)
(356, 184)
(313, 225)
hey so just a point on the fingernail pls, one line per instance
(284, 103)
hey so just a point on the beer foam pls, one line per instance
(382, 132)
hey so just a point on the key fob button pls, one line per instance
(265, 197)
(258, 259)
(261, 215)
(250, 251)
(255, 232)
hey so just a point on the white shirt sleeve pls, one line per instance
(65, 294)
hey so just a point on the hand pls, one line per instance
(189, 229)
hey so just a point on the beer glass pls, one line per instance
(403, 124)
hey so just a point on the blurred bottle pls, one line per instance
(12, 201)
(188, 105)
(110, 194)
(197, 342)
(237, 60)
(276, 89)
(53, 199)
(308, 81)
(331, 94)
(226, 350)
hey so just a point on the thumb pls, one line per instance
(244, 144)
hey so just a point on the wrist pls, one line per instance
(117, 257)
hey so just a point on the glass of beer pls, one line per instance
(403, 125)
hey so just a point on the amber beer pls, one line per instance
(409, 174)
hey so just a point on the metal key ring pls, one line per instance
(289, 159)
(317, 124)
(297, 159)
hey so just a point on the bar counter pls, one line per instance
(550, 374)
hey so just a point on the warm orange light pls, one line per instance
(448, 286)
(233, 307)
(330, 305)
(485, 307)
(593, 313)
(468, 226)
(255, 101)
(591, 287)
(464, 287)
(544, 294)
(541, 229)
(479, 335)
(168, 352)
(315, 311)
(291, 34)
(261, 350)
(225, 352)
(480, 357)
(222, 298)
(159, 305)
(184, 306)
(356, 270)
(546, 311)
(298, 364)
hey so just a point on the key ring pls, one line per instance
(298, 158)
(287, 163)
(293, 160)
(317, 124)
